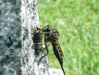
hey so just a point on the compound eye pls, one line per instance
(38, 27)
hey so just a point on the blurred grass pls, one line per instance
(78, 24)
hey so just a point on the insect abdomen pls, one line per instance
(57, 51)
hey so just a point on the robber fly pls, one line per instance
(52, 35)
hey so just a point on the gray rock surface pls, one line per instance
(10, 41)
(17, 57)
(54, 71)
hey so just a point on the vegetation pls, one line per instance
(78, 24)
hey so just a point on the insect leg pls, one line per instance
(46, 49)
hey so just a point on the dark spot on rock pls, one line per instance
(7, 57)
(18, 45)
(1, 73)
(0, 37)
(8, 41)
(12, 50)
(0, 12)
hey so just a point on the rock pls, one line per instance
(54, 71)
(17, 57)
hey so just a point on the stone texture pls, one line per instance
(54, 71)
(17, 19)
(10, 42)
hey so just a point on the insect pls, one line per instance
(50, 36)
(37, 39)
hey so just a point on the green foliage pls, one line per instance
(78, 24)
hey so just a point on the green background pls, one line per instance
(78, 24)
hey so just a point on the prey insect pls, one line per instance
(37, 39)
